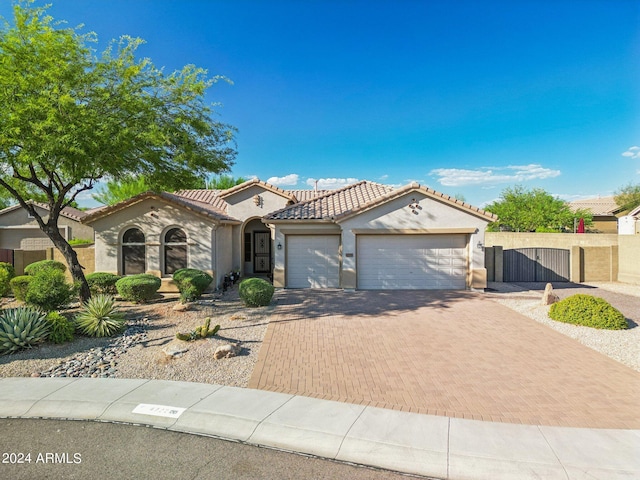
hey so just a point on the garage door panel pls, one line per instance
(313, 261)
(412, 261)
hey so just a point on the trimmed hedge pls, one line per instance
(35, 267)
(7, 272)
(138, 288)
(588, 311)
(19, 286)
(103, 282)
(255, 292)
(191, 283)
(49, 290)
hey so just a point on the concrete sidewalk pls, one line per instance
(435, 446)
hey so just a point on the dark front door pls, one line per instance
(261, 252)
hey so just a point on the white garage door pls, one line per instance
(397, 262)
(313, 261)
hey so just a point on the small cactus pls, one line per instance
(200, 332)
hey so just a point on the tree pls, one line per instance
(224, 182)
(70, 117)
(522, 210)
(628, 197)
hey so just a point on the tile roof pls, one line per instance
(202, 208)
(211, 197)
(333, 203)
(304, 195)
(69, 212)
(597, 206)
(359, 197)
(255, 181)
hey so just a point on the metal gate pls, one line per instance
(6, 255)
(536, 265)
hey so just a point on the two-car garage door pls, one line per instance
(397, 262)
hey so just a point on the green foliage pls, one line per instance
(21, 327)
(191, 283)
(100, 317)
(628, 197)
(35, 267)
(61, 328)
(103, 282)
(80, 241)
(49, 290)
(7, 272)
(200, 332)
(138, 288)
(19, 286)
(71, 116)
(522, 210)
(224, 182)
(116, 191)
(255, 292)
(588, 311)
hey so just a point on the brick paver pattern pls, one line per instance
(458, 354)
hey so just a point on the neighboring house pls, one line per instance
(362, 236)
(605, 213)
(19, 231)
(629, 224)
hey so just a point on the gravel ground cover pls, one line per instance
(621, 345)
(139, 352)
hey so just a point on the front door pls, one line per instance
(262, 252)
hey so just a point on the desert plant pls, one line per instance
(589, 311)
(19, 286)
(138, 288)
(103, 282)
(35, 267)
(22, 327)
(191, 283)
(7, 272)
(200, 332)
(255, 292)
(100, 317)
(49, 290)
(61, 328)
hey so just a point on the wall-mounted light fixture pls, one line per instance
(279, 246)
(257, 200)
(480, 245)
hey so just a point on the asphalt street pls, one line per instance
(52, 449)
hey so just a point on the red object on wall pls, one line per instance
(581, 226)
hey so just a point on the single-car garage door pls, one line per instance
(397, 262)
(313, 261)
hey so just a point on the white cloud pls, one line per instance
(632, 152)
(456, 177)
(330, 183)
(287, 180)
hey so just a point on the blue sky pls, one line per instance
(465, 97)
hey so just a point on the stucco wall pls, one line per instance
(427, 215)
(549, 240)
(241, 205)
(19, 217)
(154, 217)
(86, 257)
(629, 255)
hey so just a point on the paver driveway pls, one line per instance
(451, 353)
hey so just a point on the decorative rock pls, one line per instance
(35, 375)
(174, 350)
(549, 296)
(227, 351)
(181, 307)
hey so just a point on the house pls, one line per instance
(605, 213)
(364, 236)
(629, 224)
(19, 230)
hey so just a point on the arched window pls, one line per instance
(133, 252)
(175, 250)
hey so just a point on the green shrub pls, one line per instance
(22, 327)
(100, 317)
(49, 290)
(103, 282)
(588, 311)
(191, 283)
(138, 288)
(61, 329)
(19, 286)
(35, 267)
(255, 292)
(80, 241)
(7, 272)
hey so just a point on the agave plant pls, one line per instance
(22, 327)
(100, 317)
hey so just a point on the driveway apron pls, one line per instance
(452, 353)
